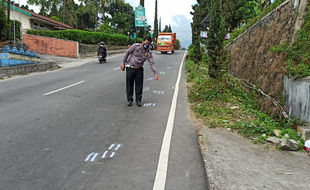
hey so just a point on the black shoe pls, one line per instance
(129, 103)
(139, 104)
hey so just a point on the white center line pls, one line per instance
(161, 173)
(63, 88)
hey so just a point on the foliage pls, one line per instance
(297, 62)
(17, 30)
(167, 28)
(44, 4)
(3, 22)
(214, 44)
(106, 28)
(177, 46)
(195, 51)
(56, 18)
(84, 36)
(244, 16)
(231, 107)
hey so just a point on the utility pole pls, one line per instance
(9, 31)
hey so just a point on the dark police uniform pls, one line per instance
(134, 69)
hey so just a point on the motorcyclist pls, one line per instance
(102, 49)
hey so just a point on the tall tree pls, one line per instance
(122, 17)
(3, 23)
(229, 11)
(44, 4)
(169, 28)
(216, 38)
(9, 23)
(159, 30)
(196, 55)
(155, 22)
(82, 12)
(141, 33)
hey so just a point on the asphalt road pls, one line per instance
(71, 129)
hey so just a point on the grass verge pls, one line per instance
(232, 108)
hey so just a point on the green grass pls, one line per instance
(231, 107)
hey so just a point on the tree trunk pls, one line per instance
(103, 13)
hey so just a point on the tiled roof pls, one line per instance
(48, 19)
(60, 24)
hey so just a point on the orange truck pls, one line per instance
(166, 42)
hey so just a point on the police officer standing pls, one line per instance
(134, 69)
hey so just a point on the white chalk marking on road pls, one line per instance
(63, 88)
(154, 104)
(117, 147)
(117, 68)
(89, 156)
(112, 154)
(146, 89)
(104, 154)
(94, 157)
(162, 92)
(161, 173)
(112, 145)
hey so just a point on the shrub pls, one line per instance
(85, 37)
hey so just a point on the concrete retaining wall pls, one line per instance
(52, 46)
(25, 69)
(297, 94)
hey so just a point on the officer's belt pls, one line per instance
(134, 67)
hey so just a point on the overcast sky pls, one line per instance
(173, 12)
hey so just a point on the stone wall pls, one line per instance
(250, 57)
(91, 50)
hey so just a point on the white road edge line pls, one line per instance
(63, 88)
(161, 173)
(117, 68)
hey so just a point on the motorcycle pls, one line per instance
(101, 58)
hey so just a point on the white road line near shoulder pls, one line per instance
(117, 68)
(63, 88)
(161, 173)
